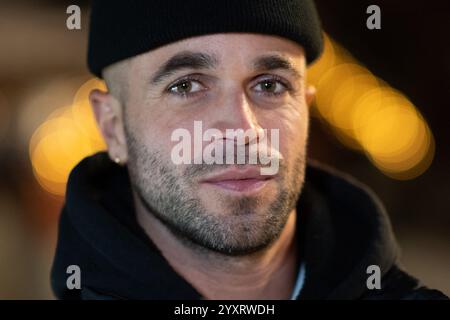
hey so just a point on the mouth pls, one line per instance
(239, 180)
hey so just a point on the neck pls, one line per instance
(267, 274)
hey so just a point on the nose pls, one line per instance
(236, 112)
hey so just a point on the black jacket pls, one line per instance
(342, 229)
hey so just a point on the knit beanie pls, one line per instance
(122, 29)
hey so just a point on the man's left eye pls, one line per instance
(270, 86)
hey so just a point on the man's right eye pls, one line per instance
(186, 87)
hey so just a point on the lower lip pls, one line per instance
(244, 185)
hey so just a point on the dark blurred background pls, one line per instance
(46, 127)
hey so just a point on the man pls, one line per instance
(141, 224)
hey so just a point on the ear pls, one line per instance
(108, 114)
(310, 94)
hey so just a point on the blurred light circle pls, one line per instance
(327, 87)
(343, 104)
(55, 149)
(366, 114)
(393, 133)
(67, 136)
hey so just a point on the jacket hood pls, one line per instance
(342, 229)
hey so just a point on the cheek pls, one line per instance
(153, 124)
(292, 121)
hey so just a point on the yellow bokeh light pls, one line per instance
(368, 115)
(411, 161)
(343, 104)
(67, 136)
(329, 83)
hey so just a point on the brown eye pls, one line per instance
(186, 87)
(270, 87)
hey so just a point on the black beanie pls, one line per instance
(122, 29)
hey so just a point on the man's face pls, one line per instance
(226, 81)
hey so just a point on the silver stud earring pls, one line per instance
(117, 160)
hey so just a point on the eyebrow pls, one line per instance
(274, 62)
(184, 60)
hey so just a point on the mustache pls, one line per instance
(193, 171)
(261, 152)
(222, 154)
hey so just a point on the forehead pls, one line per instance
(226, 47)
